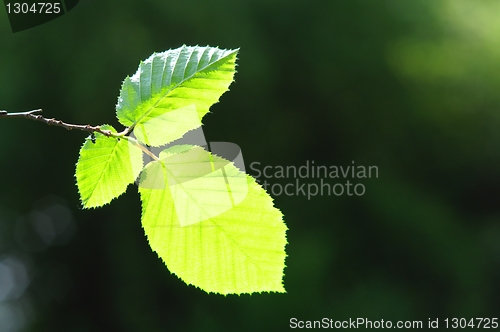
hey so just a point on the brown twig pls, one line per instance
(53, 122)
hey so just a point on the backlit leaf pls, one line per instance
(172, 91)
(213, 226)
(105, 168)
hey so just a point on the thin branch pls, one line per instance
(53, 122)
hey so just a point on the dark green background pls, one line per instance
(409, 86)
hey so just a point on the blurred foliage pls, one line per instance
(408, 86)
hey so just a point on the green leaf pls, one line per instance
(212, 225)
(105, 168)
(172, 91)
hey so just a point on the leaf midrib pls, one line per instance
(105, 168)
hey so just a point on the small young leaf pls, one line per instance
(210, 229)
(105, 168)
(172, 91)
